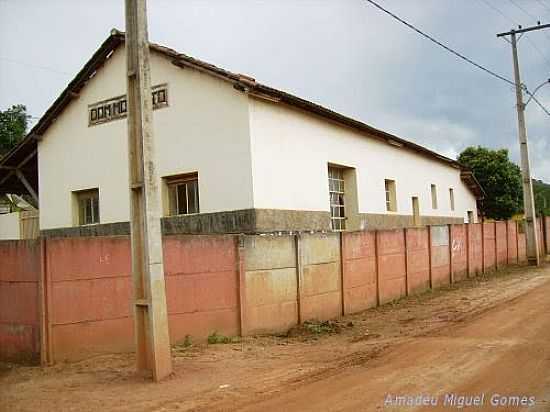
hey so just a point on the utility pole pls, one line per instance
(528, 198)
(150, 313)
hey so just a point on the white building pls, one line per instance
(233, 155)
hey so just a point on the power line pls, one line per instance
(432, 39)
(523, 10)
(531, 42)
(35, 66)
(526, 13)
(544, 5)
(537, 102)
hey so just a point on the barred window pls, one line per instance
(336, 193)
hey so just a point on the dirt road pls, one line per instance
(488, 336)
(505, 351)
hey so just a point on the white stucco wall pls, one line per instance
(291, 150)
(9, 226)
(204, 129)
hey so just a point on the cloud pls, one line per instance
(346, 55)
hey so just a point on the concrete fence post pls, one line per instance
(241, 275)
(517, 243)
(430, 256)
(546, 225)
(483, 266)
(299, 275)
(467, 237)
(44, 303)
(377, 260)
(507, 246)
(451, 266)
(342, 271)
(496, 244)
(407, 263)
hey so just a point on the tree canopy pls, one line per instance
(499, 177)
(541, 192)
(13, 127)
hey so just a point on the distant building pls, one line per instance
(233, 155)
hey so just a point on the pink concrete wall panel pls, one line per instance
(418, 260)
(201, 285)
(359, 271)
(91, 300)
(512, 242)
(391, 265)
(501, 244)
(547, 231)
(489, 246)
(19, 343)
(271, 284)
(91, 292)
(441, 256)
(459, 252)
(20, 260)
(321, 293)
(475, 249)
(88, 258)
(75, 341)
(198, 254)
(19, 301)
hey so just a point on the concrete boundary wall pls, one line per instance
(70, 298)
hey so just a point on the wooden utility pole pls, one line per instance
(150, 313)
(531, 230)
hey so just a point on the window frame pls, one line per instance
(173, 183)
(85, 195)
(416, 210)
(336, 188)
(452, 199)
(433, 191)
(390, 195)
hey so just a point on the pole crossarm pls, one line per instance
(521, 30)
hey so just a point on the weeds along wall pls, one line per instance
(70, 298)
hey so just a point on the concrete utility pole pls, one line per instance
(528, 198)
(150, 313)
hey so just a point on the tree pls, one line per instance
(13, 127)
(542, 197)
(499, 177)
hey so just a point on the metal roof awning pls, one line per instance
(19, 170)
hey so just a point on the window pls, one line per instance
(336, 192)
(183, 194)
(470, 216)
(87, 202)
(452, 198)
(434, 197)
(416, 211)
(391, 198)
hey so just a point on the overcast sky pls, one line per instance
(343, 54)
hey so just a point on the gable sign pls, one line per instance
(117, 107)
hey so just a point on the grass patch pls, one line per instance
(215, 338)
(314, 328)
